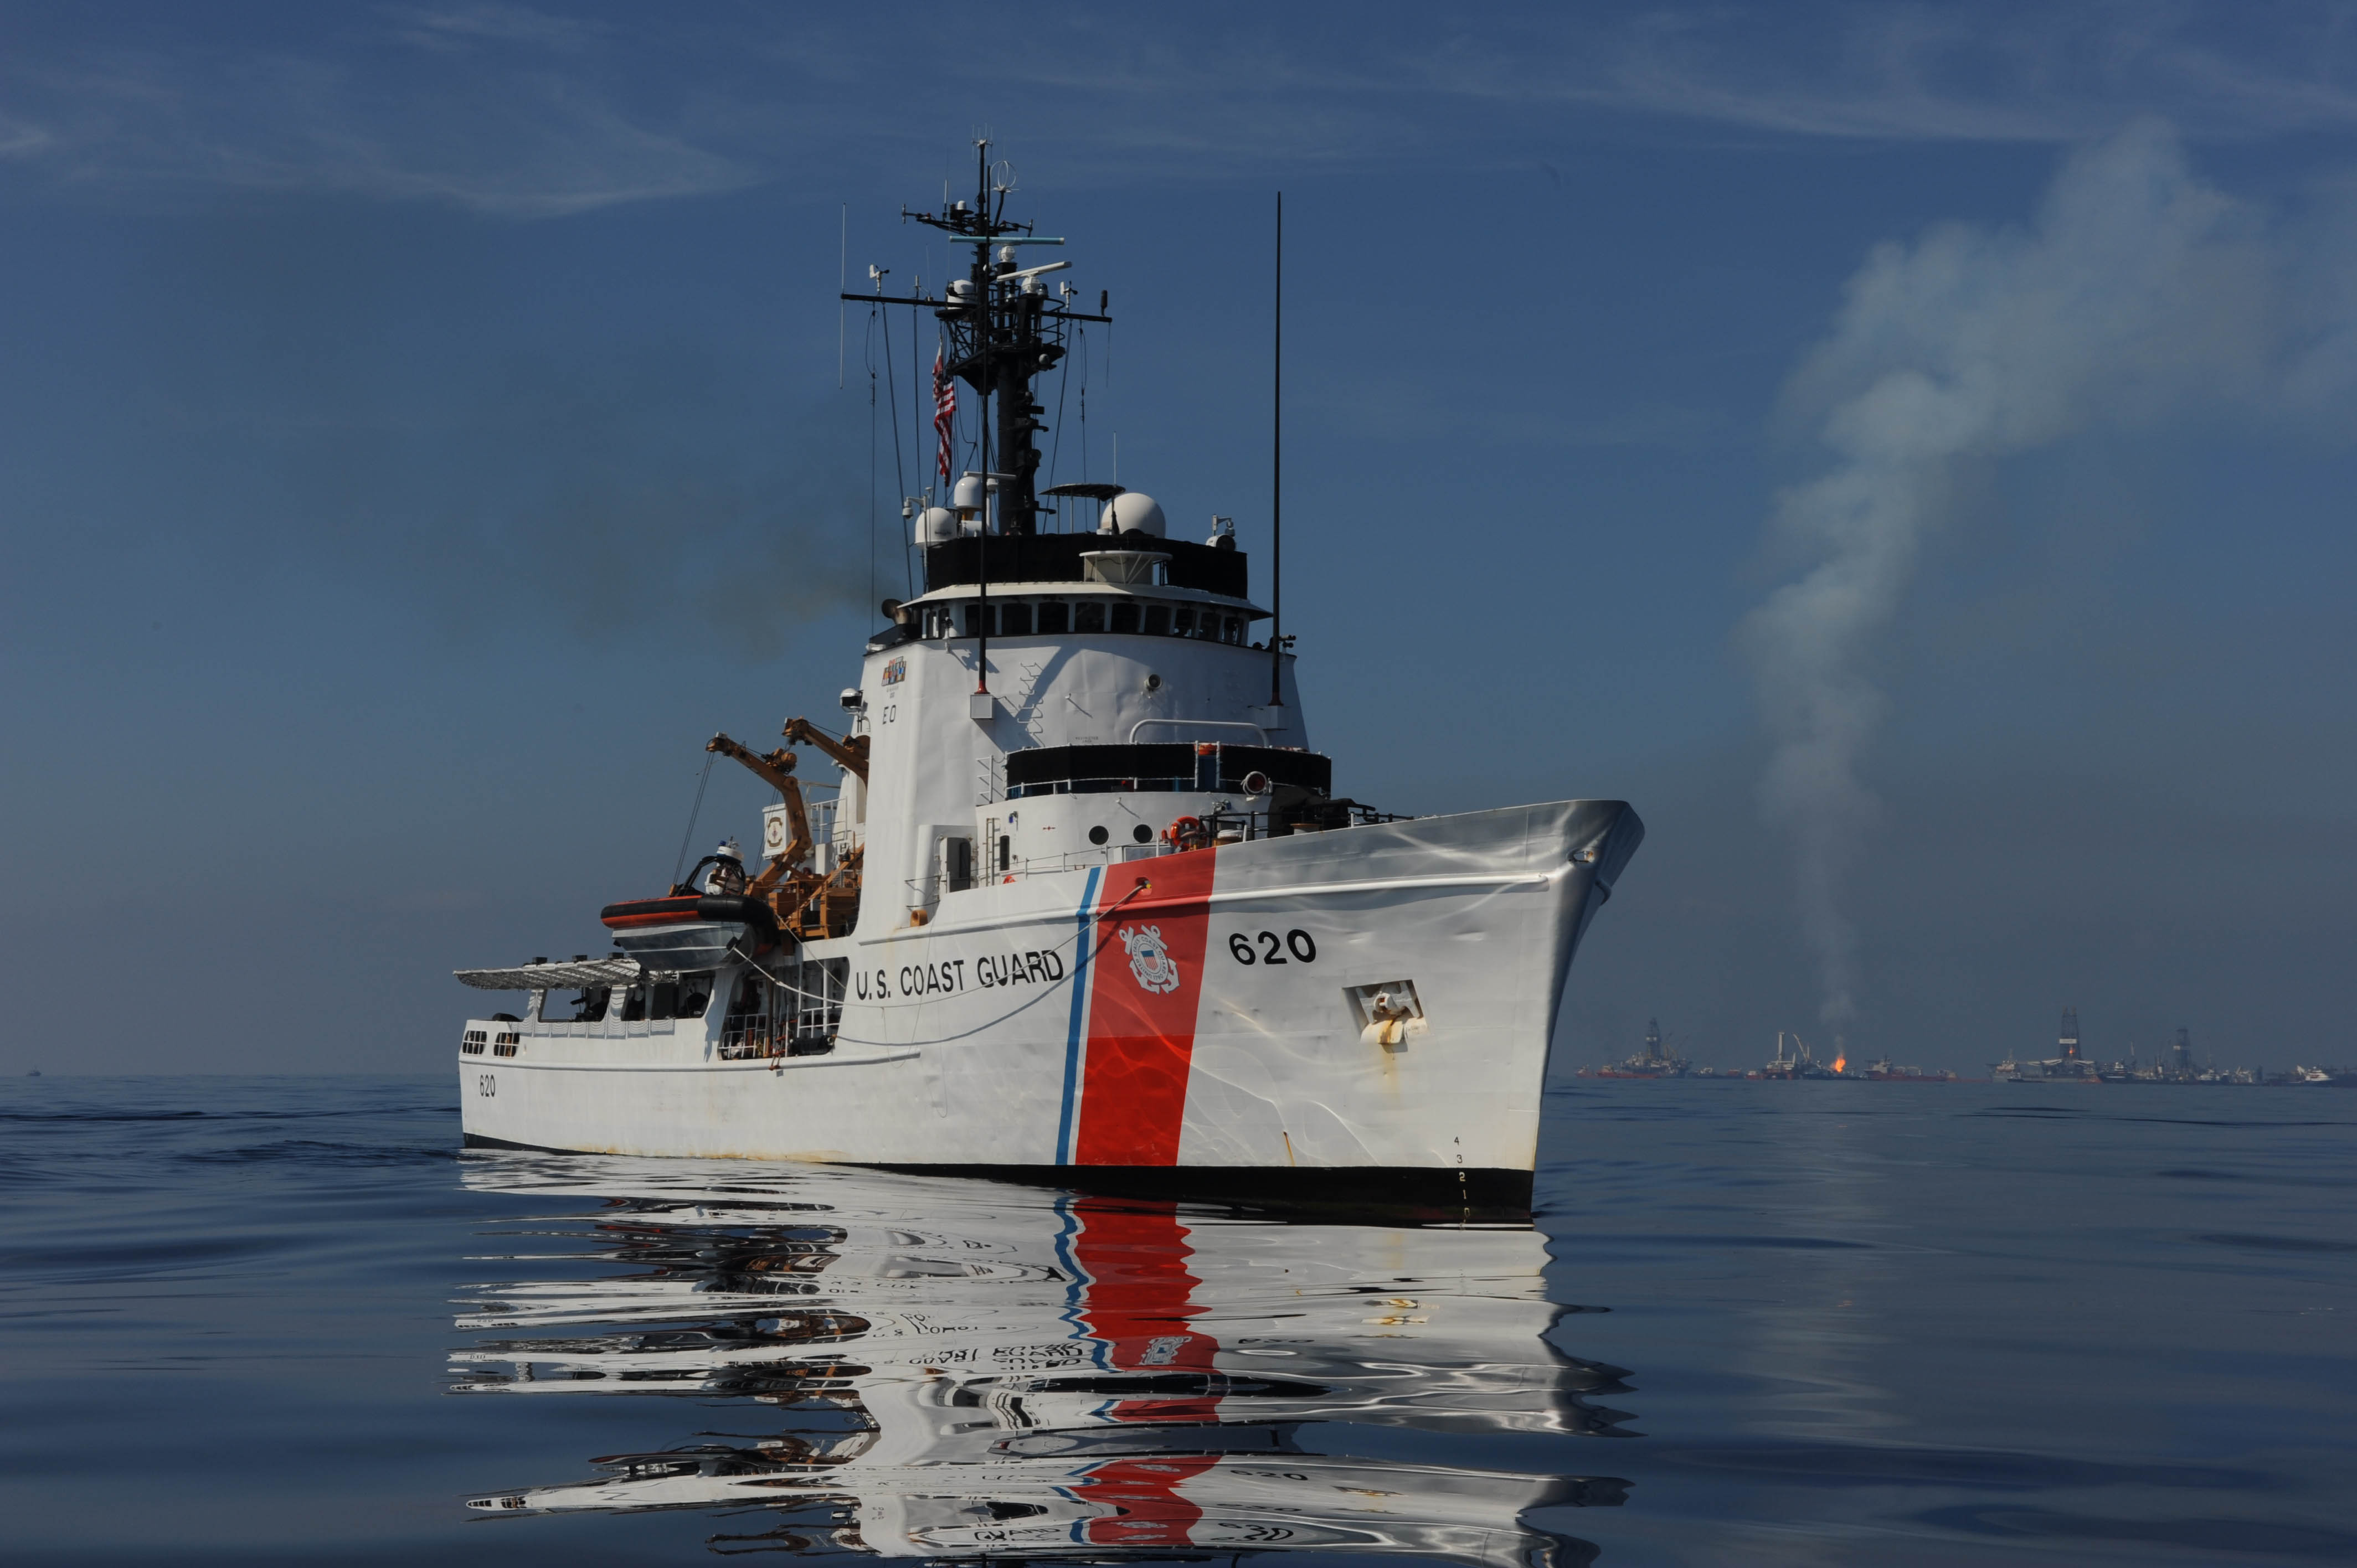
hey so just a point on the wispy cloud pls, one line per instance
(1981, 74)
(456, 27)
(1399, 86)
(529, 112)
(495, 110)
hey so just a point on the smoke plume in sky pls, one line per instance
(397, 424)
(2137, 292)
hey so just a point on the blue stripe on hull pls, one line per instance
(1078, 1032)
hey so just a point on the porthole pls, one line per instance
(1098, 835)
(1142, 833)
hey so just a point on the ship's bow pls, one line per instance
(1377, 996)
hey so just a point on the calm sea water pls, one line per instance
(288, 1321)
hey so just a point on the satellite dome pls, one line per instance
(968, 494)
(1135, 509)
(939, 525)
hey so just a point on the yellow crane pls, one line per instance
(807, 904)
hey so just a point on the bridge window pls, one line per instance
(1159, 766)
(1054, 617)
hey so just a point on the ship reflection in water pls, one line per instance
(950, 1370)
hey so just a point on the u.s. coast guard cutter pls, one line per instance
(1085, 896)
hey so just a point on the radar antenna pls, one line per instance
(1004, 330)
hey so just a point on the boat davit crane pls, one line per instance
(806, 903)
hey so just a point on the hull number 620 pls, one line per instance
(1272, 948)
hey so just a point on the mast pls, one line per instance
(1005, 331)
(1276, 482)
(980, 707)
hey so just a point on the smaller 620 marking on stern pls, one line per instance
(1273, 948)
(487, 1086)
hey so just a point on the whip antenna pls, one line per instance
(696, 810)
(1277, 481)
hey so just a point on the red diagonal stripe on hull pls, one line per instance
(1142, 1037)
(1139, 1301)
(1153, 1513)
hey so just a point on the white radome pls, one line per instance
(1133, 510)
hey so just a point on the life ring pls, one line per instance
(1186, 833)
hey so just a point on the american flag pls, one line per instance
(944, 413)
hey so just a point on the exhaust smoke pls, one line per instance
(2138, 292)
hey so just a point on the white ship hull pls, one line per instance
(1203, 1011)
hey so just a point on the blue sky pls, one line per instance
(1906, 450)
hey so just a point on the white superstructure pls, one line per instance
(1086, 897)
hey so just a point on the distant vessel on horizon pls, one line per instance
(1656, 1058)
(1881, 1071)
(2177, 1065)
(1798, 1062)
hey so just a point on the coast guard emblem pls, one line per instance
(1149, 960)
